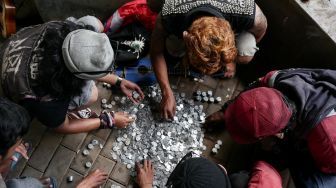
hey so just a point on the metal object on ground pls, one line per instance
(136, 95)
(218, 99)
(70, 179)
(90, 146)
(128, 166)
(210, 93)
(214, 151)
(86, 152)
(104, 101)
(198, 98)
(88, 164)
(94, 142)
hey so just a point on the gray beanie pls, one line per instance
(88, 54)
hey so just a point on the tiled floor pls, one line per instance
(61, 155)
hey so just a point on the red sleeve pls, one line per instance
(264, 175)
(131, 12)
(265, 81)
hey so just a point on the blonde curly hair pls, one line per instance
(210, 44)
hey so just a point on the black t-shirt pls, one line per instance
(178, 15)
(51, 113)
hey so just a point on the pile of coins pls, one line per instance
(206, 96)
(162, 142)
(217, 146)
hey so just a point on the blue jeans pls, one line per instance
(307, 176)
(24, 182)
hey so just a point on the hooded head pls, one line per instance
(255, 114)
(197, 173)
(87, 54)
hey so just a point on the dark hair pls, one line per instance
(54, 78)
(14, 123)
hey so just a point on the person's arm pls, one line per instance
(260, 24)
(168, 103)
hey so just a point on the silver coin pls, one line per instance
(128, 166)
(94, 142)
(70, 179)
(88, 164)
(86, 152)
(90, 146)
(104, 101)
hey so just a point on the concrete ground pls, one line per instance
(61, 155)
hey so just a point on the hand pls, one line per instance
(168, 105)
(230, 70)
(128, 87)
(145, 174)
(95, 179)
(122, 119)
(22, 149)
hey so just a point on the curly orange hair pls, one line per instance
(210, 44)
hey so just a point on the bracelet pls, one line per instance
(106, 120)
(118, 82)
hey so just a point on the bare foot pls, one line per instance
(95, 179)
(145, 174)
(230, 70)
(215, 121)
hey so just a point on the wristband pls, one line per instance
(106, 120)
(118, 82)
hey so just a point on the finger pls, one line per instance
(22, 151)
(129, 120)
(174, 110)
(132, 99)
(25, 155)
(138, 167)
(170, 114)
(142, 95)
(20, 148)
(147, 164)
(150, 165)
(165, 114)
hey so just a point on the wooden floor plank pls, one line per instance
(60, 163)
(78, 164)
(45, 150)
